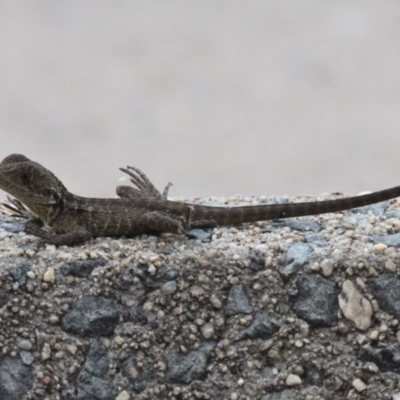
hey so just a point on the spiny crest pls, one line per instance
(60, 185)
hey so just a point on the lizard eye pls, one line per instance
(25, 177)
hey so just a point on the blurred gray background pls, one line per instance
(219, 97)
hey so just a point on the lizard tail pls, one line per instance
(237, 215)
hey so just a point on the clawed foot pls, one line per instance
(144, 188)
(35, 227)
(15, 208)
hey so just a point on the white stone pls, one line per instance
(169, 287)
(49, 275)
(24, 344)
(46, 352)
(355, 307)
(327, 267)
(359, 385)
(124, 395)
(207, 330)
(293, 380)
(215, 301)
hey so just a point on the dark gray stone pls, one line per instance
(276, 200)
(140, 379)
(19, 273)
(301, 225)
(392, 214)
(91, 316)
(316, 300)
(12, 225)
(296, 256)
(288, 394)
(389, 240)
(262, 327)
(352, 220)
(238, 301)
(16, 379)
(96, 361)
(3, 298)
(387, 358)
(257, 260)
(386, 290)
(204, 235)
(316, 240)
(377, 209)
(80, 269)
(169, 274)
(93, 381)
(186, 368)
(313, 376)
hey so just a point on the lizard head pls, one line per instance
(31, 183)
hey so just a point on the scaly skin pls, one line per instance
(143, 209)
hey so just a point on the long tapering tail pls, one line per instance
(236, 215)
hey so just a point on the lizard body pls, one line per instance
(144, 209)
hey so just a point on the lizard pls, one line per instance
(141, 209)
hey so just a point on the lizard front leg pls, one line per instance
(77, 236)
(18, 209)
(144, 187)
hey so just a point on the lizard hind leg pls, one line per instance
(160, 221)
(144, 187)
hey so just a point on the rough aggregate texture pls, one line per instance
(234, 313)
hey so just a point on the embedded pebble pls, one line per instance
(16, 378)
(124, 395)
(301, 225)
(297, 255)
(27, 357)
(383, 241)
(24, 344)
(207, 330)
(327, 267)
(381, 247)
(94, 376)
(91, 316)
(355, 307)
(359, 385)
(187, 368)
(390, 266)
(386, 289)
(386, 358)
(316, 300)
(169, 287)
(293, 380)
(80, 268)
(216, 302)
(49, 275)
(238, 301)
(262, 326)
(46, 352)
